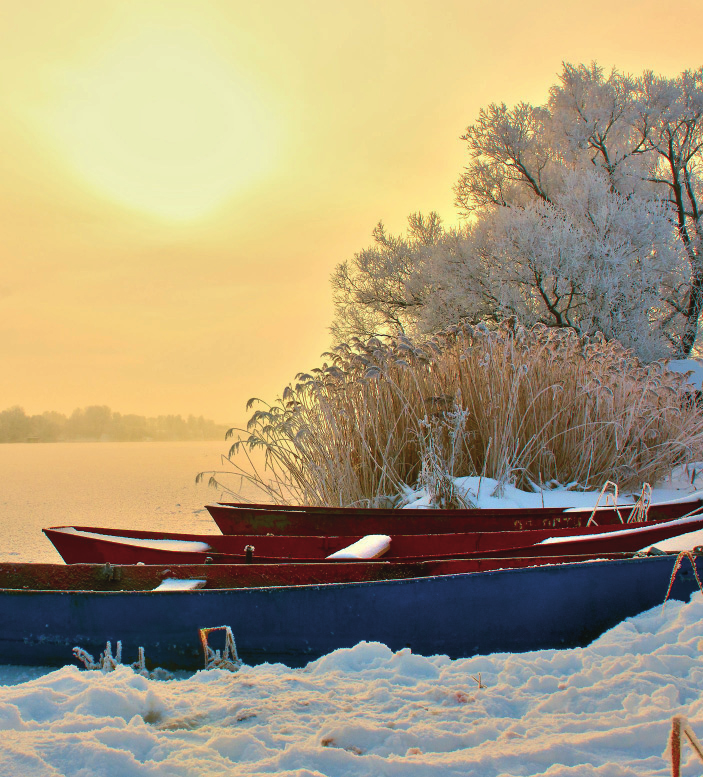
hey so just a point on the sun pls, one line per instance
(163, 126)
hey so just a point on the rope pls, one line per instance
(677, 565)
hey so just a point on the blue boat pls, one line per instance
(48, 610)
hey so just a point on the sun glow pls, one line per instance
(164, 127)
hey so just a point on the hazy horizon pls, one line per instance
(179, 179)
(101, 423)
(74, 408)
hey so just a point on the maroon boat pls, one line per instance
(238, 518)
(87, 544)
(191, 577)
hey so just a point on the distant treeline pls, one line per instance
(98, 422)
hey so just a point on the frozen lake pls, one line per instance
(127, 485)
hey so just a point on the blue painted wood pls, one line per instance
(560, 606)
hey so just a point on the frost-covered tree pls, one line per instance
(582, 212)
(670, 124)
(383, 287)
(589, 258)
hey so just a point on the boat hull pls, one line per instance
(516, 610)
(89, 545)
(241, 519)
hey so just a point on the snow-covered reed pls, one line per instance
(522, 406)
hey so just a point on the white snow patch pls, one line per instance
(370, 546)
(366, 711)
(174, 584)
(683, 485)
(184, 546)
(687, 541)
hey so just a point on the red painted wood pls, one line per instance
(112, 544)
(109, 577)
(321, 521)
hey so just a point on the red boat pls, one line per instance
(87, 544)
(237, 518)
(190, 577)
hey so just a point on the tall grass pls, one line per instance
(523, 406)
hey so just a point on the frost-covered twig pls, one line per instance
(108, 663)
(214, 659)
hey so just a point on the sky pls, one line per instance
(179, 179)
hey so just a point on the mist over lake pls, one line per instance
(121, 485)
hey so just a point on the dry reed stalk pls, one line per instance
(523, 406)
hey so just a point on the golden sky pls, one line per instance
(178, 179)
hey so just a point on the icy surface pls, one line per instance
(602, 710)
(102, 484)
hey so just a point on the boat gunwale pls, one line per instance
(620, 559)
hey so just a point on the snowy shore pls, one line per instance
(367, 712)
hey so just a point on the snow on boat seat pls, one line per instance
(689, 541)
(183, 546)
(370, 546)
(174, 584)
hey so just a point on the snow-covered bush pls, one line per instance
(523, 406)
